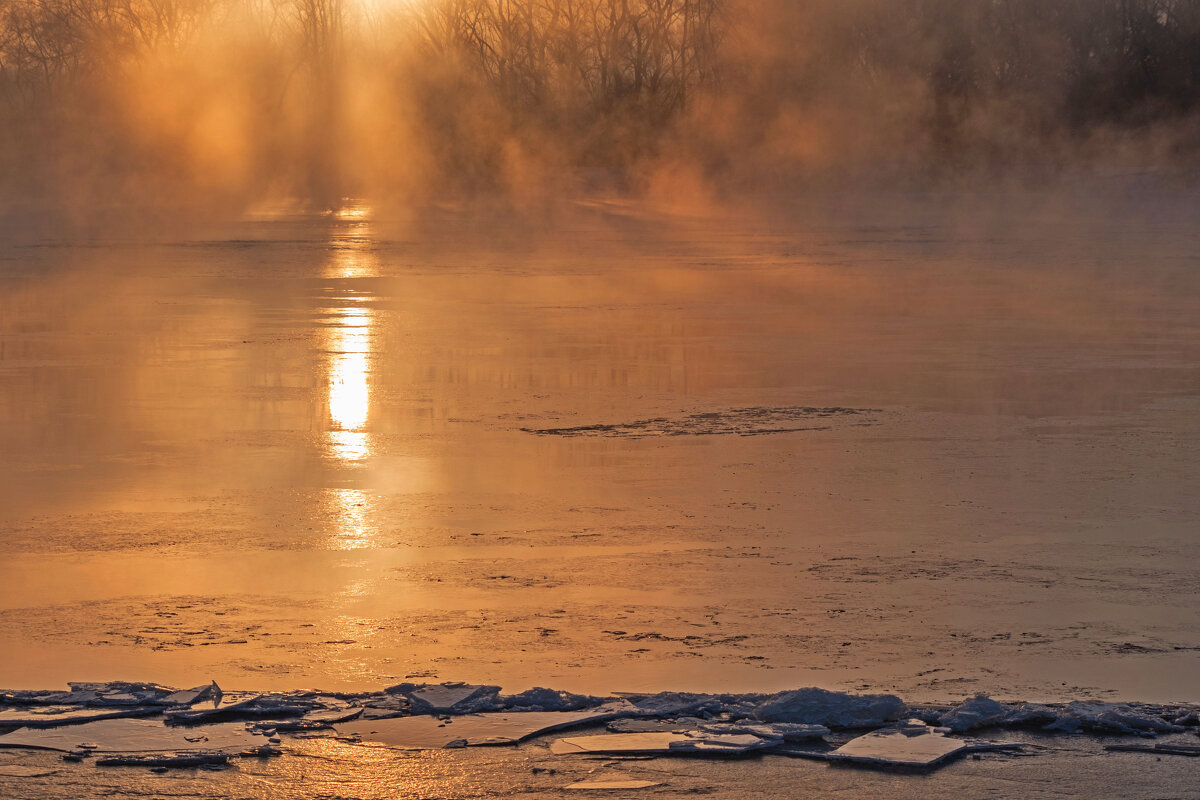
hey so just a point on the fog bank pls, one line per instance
(191, 105)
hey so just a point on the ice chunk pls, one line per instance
(48, 698)
(429, 733)
(1111, 718)
(116, 693)
(1187, 718)
(695, 742)
(981, 712)
(449, 698)
(53, 716)
(787, 731)
(381, 707)
(1160, 748)
(612, 781)
(314, 719)
(680, 725)
(978, 712)
(221, 706)
(164, 760)
(539, 699)
(906, 746)
(22, 771)
(244, 706)
(831, 709)
(135, 736)
(679, 704)
(187, 697)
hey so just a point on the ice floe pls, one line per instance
(695, 742)
(177, 760)
(448, 698)
(161, 727)
(752, 421)
(831, 709)
(1159, 748)
(135, 736)
(540, 699)
(787, 731)
(427, 732)
(908, 745)
(23, 771)
(1111, 718)
(54, 716)
(612, 781)
(1115, 718)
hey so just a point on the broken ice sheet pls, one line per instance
(642, 725)
(981, 711)
(1160, 748)
(245, 706)
(187, 697)
(788, 731)
(1110, 718)
(221, 704)
(53, 716)
(313, 719)
(136, 736)
(22, 771)
(611, 781)
(911, 745)
(430, 733)
(449, 698)
(662, 743)
(175, 760)
(752, 421)
(814, 706)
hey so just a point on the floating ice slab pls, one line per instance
(1111, 718)
(22, 771)
(542, 699)
(682, 704)
(136, 736)
(314, 719)
(187, 697)
(613, 781)
(461, 698)
(244, 706)
(53, 716)
(831, 709)
(680, 725)
(674, 743)
(177, 760)
(1159, 749)
(223, 704)
(788, 731)
(981, 711)
(430, 733)
(915, 746)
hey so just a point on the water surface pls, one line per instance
(930, 450)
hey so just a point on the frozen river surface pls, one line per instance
(932, 451)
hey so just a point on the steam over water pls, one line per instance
(165, 111)
(626, 348)
(927, 446)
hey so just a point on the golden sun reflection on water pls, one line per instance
(350, 374)
(354, 511)
(349, 343)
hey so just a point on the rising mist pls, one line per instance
(193, 104)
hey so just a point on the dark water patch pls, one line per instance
(752, 421)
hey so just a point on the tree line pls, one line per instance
(319, 98)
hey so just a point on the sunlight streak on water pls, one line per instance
(354, 510)
(350, 343)
(349, 379)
